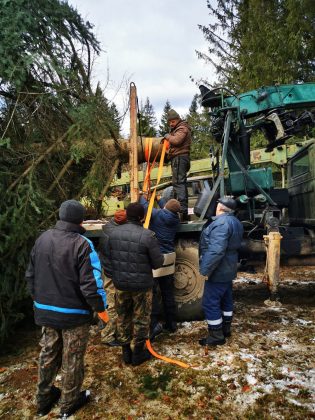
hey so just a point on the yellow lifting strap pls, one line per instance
(160, 170)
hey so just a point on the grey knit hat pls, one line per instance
(172, 115)
(72, 211)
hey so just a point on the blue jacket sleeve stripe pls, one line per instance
(59, 309)
(97, 270)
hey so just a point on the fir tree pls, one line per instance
(254, 42)
(147, 120)
(199, 121)
(163, 127)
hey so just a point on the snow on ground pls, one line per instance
(264, 371)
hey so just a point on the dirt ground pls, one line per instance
(265, 370)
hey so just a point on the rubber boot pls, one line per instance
(45, 408)
(155, 331)
(170, 326)
(127, 354)
(215, 338)
(83, 399)
(227, 328)
(140, 354)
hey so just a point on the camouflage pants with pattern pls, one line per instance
(63, 349)
(133, 315)
(109, 332)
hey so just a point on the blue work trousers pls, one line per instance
(217, 303)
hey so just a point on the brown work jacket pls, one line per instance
(180, 140)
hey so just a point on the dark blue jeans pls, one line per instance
(180, 167)
(166, 286)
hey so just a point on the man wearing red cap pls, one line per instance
(109, 333)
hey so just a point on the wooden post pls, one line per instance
(273, 243)
(133, 157)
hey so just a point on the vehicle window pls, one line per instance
(300, 165)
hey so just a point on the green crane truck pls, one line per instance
(270, 215)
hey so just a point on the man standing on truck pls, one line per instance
(64, 280)
(164, 223)
(219, 244)
(134, 252)
(109, 333)
(179, 154)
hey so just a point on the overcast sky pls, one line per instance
(151, 43)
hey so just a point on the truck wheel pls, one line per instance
(189, 283)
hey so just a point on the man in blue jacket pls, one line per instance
(219, 244)
(64, 280)
(164, 223)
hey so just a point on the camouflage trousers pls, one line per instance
(109, 332)
(133, 316)
(63, 349)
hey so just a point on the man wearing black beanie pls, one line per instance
(64, 280)
(134, 252)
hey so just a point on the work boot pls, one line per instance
(215, 338)
(113, 343)
(84, 398)
(45, 408)
(170, 326)
(127, 354)
(226, 327)
(155, 331)
(140, 354)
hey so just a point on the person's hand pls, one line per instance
(103, 316)
(158, 197)
(166, 136)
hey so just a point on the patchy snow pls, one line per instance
(265, 370)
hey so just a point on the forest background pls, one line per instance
(54, 122)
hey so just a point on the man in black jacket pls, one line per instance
(64, 279)
(134, 252)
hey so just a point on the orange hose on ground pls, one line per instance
(166, 359)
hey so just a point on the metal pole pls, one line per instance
(133, 157)
(224, 151)
(220, 179)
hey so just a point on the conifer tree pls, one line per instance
(163, 127)
(199, 121)
(147, 120)
(254, 42)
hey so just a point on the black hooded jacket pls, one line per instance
(64, 278)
